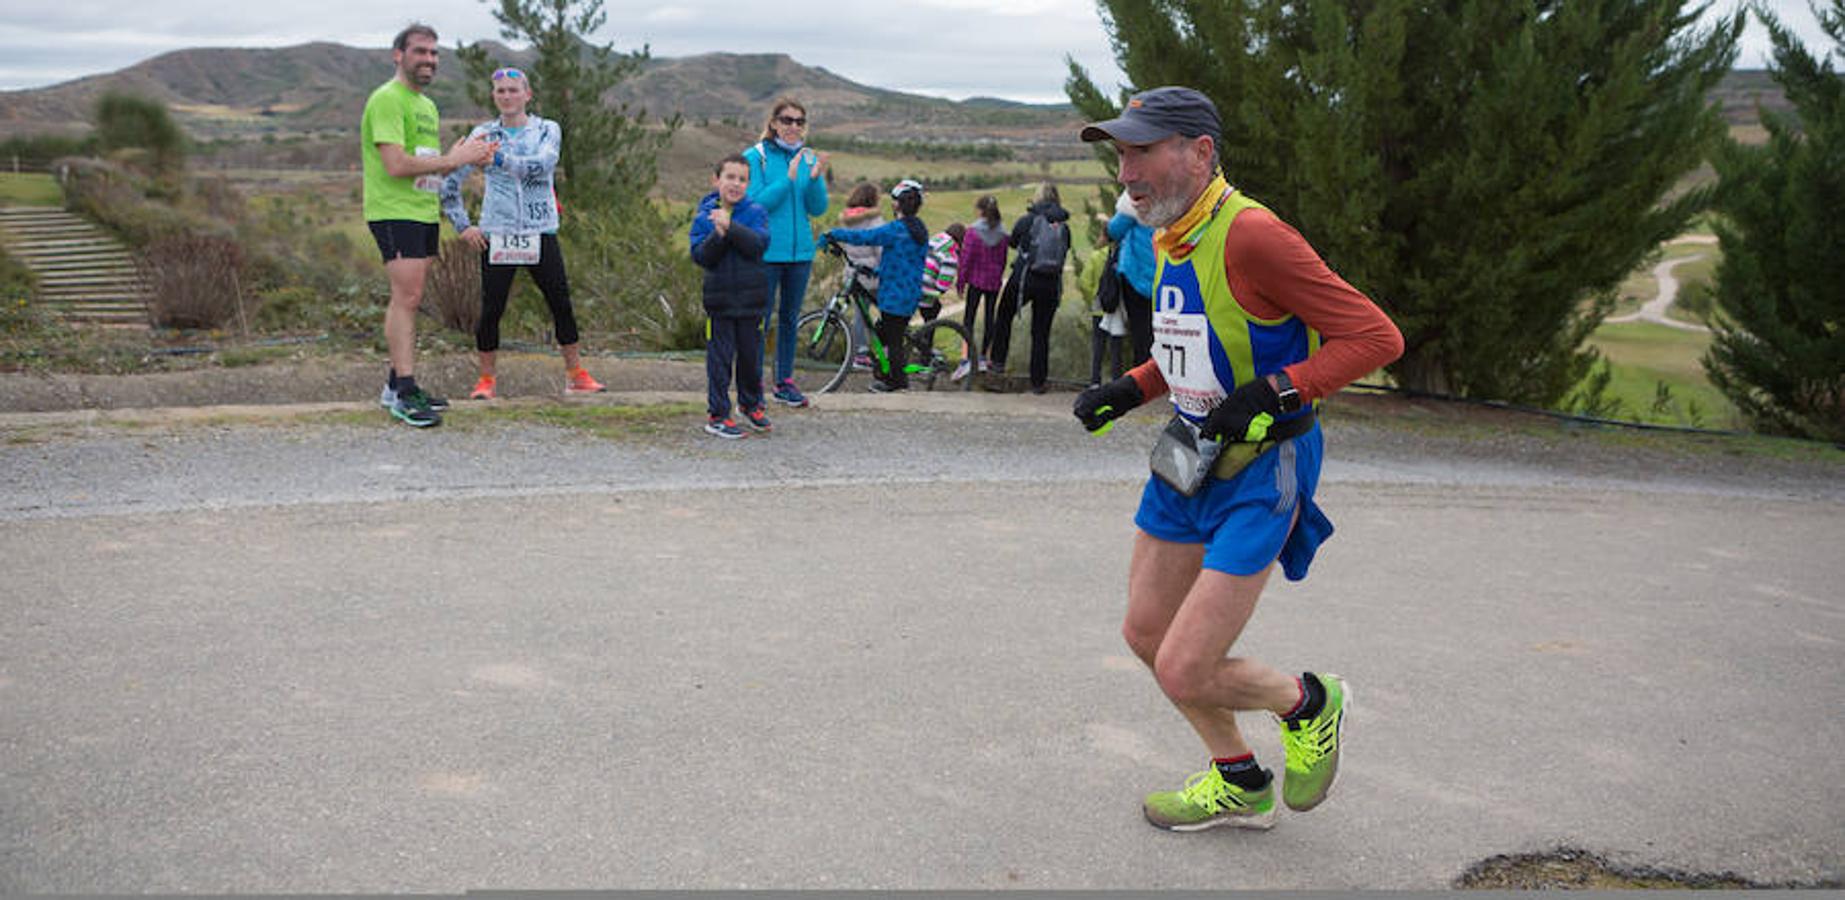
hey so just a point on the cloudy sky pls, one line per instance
(949, 48)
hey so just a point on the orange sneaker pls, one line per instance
(483, 389)
(579, 382)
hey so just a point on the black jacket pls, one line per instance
(736, 278)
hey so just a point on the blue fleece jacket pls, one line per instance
(789, 203)
(1136, 262)
(900, 269)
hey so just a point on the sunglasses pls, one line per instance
(508, 73)
(791, 120)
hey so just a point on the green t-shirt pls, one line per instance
(395, 114)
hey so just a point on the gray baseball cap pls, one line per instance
(1154, 115)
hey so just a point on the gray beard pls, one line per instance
(1164, 212)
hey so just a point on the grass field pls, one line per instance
(1643, 355)
(29, 189)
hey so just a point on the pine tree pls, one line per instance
(1488, 170)
(133, 122)
(1779, 350)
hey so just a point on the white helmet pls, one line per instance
(905, 186)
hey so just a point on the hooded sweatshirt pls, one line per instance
(983, 257)
(863, 218)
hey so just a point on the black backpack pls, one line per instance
(1108, 288)
(1050, 241)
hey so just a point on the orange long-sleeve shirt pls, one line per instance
(1273, 271)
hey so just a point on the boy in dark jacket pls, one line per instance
(728, 238)
(900, 271)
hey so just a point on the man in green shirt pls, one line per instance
(403, 168)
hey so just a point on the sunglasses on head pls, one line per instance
(508, 73)
(791, 120)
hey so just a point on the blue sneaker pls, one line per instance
(723, 428)
(787, 393)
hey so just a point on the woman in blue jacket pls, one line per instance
(900, 273)
(788, 180)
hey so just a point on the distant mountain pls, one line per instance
(225, 92)
(317, 90)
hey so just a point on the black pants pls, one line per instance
(975, 297)
(1139, 312)
(890, 331)
(496, 286)
(999, 340)
(1101, 341)
(733, 346)
(1044, 294)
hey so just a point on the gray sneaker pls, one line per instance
(387, 398)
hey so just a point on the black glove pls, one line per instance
(1245, 415)
(1100, 405)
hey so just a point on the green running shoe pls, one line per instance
(1313, 748)
(412, 408)
(1208, 801)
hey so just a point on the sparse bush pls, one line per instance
(346, 310)
(193, 282)
(117, 198)
(453, 292)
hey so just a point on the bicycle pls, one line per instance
(826, 340)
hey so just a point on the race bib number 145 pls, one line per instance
(513, 249)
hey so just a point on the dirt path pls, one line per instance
(1655, 310)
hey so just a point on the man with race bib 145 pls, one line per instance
(403, 167)
(1251, 330)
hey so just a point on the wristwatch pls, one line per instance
(1289, 395)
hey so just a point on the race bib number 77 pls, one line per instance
(513, 249)
(1182, 345)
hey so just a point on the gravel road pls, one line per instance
(302, 649)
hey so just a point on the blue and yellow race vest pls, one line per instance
(1204, 341)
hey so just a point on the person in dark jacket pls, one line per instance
(1042, 238)
(728, 238)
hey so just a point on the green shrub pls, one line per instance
(301, 308)
(631, 280)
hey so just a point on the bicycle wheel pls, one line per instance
(824, 355)
(936, 350)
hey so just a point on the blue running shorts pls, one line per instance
(1245, 522)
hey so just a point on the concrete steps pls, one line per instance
(84, 274)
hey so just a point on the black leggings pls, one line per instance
(975, 298)
(496, 286)
(890, 331)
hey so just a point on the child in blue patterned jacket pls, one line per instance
(900, 276)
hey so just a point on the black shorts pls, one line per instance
(403, 239)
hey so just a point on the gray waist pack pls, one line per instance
(1181, 458)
